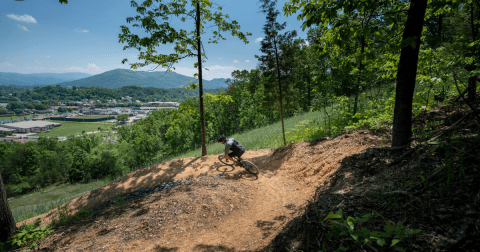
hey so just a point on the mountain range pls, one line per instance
(39, 79)
(111, 79)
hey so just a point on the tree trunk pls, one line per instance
(7, 223)
(360, 68)
(280, 89)
(200, 86)
(309, 96)
(236, 121)
(406, 74)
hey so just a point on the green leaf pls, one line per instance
(331, 215)
(378, 214)
(381, 242)
(365, 218)
(351, 222)
(394, 242)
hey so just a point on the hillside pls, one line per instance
(199, 204)
(123, 77)
(38, 79)
(235, 211)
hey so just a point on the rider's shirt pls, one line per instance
(234, 146)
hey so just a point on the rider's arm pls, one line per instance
(228, 144)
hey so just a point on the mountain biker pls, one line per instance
(231, 145)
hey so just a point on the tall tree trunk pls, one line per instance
(200, 86)
(406, 74)
(236, 121)
(7, 223)
(309, 90)
(440, 26)
(280, 89)
(357, 87)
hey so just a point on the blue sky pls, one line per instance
(38, 36)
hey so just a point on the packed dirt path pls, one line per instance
(235, 212)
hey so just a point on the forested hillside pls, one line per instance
(48, 94)
(123, 77)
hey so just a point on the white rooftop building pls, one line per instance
(31, 126)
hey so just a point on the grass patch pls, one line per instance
(261, 138)
(29, 205)
(75, 128)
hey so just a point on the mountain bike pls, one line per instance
(245, 164)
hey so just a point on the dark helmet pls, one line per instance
(221, 138)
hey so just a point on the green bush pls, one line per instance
(18, 188)
(27, 235)
(351, 229)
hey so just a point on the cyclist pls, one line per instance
(231, 145)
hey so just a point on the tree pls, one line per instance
(407, 73)
(7, 223)
(122, 118)
(18, 111)
(40, 106)
(271, 48)
(187, 43)
(3, 111)
(325, 13)
(15, 105)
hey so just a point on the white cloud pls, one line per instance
(91, 65)
(48, 56)
(24, 18)
(220, 58)
(5, 63)
(258, 40)
(90, 68)
(81, 30)
(248, 61)
(23, 27)
(235, 61)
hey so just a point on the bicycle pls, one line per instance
(245, 164)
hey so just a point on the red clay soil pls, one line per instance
(236, 212)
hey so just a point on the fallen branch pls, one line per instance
(440, 133)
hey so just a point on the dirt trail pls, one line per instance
(236, 212)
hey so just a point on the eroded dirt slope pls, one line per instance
(236, 212)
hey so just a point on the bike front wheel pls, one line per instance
(225, 161)
(250, 167)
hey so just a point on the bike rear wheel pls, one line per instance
(225, 161)
(250, 167)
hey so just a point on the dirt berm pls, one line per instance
(236, 212)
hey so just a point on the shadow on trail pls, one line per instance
(164, 249)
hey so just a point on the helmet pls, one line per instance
(221, 138)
